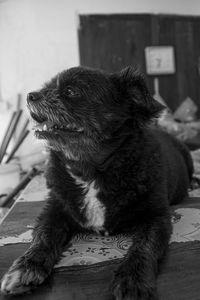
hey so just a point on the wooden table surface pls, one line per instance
(179, 278)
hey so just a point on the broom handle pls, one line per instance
(18, 144)
(20, 186)
(6, 133)
(10, 133)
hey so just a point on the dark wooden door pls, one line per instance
(196, 46)
(112, 42)
(179, 32)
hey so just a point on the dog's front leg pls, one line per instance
(135, 279)
(52, 231)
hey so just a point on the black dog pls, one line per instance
(109, 171)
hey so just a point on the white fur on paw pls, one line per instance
(11, 283)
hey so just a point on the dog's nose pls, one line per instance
(34, 96)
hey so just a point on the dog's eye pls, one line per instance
(69, 91)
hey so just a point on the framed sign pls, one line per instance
(160, 60)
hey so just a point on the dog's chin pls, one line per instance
(57, 135)
(59, 138)
(76, 142)
(53, 131)
(73, 143)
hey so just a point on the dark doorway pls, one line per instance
(111, 42)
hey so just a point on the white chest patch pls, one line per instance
(93, 209)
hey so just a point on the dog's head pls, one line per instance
(81, 109)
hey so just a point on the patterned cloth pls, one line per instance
(91, 249)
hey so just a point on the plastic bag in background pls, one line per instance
(182, 123)
(186, 112)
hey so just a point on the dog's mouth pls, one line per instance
(45, 128)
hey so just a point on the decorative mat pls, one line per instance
(90, 249)
(87, 249)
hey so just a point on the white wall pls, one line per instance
(39, 37)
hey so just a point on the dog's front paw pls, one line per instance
(23, 275)
(125, 286)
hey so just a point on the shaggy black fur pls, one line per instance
(109, 171)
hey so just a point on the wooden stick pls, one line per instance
(6, 133)
(23, 130)
(18, 144)
(9, 198)
(10, 133)
(23, 134)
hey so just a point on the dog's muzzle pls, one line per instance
(34, 96)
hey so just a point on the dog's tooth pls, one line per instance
(45, 127)
(79, 129)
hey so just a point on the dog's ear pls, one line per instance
(134, 94)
